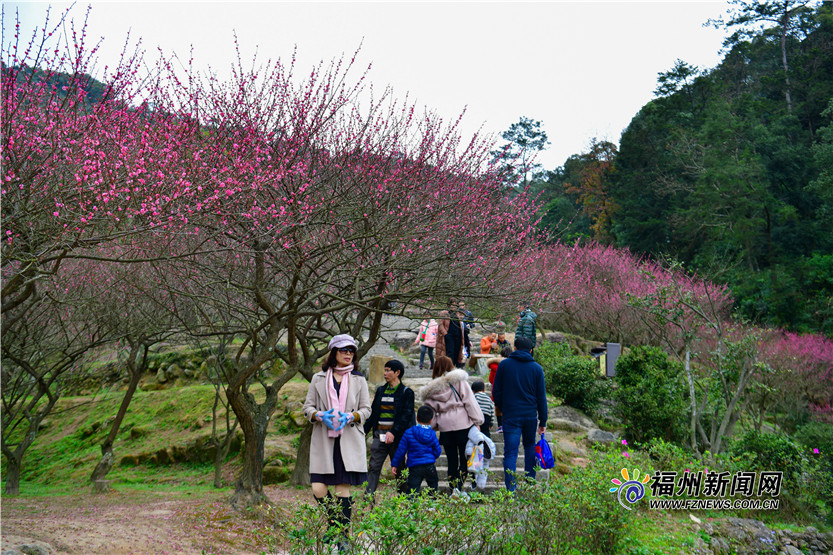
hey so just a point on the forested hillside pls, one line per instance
(727, 170)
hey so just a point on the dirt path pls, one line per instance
(130, 522)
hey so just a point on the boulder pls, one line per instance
(569, 419)
(403, 340)
(152, 386)
(555, 337)
(600, 436)
(747, 536)
(298, 418)
(276, 474)
(720, 546)
(129, 460)
(14, 545)
(161, 376)
(174, 371)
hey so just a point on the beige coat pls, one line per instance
(452, 413)
(353, 446)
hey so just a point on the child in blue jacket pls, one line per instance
(422, 447)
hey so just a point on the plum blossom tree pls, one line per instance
(84, 162)
(317, 204)
(40, 352)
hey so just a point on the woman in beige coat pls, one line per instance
(456, 409)
(337, 404)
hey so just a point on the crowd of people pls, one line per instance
(339, 406)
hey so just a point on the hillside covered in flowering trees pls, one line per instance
(264, 214)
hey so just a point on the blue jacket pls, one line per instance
(519, 390)
(421, 445)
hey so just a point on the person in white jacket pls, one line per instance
(477, 437)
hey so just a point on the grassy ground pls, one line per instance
(178, 503)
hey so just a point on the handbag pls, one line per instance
(544, 454)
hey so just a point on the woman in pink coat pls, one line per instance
(456, 409)
(427, 340)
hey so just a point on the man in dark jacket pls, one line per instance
(526, 326)
(520, 395)
(391, 414)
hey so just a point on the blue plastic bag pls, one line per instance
(544, 453)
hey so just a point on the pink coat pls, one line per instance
(452, 413)
(430, 329)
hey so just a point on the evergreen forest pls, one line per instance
(728, 170)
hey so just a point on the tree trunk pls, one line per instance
(253, 419)
(13, 464)
(786, 67)
(692, 396)
(105, 463)
(107, 457)
(300, 475)
(220, 456)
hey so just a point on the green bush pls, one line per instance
(573, 514)
(816, 440)
(772, 452)
(575, 380)
(652, 398)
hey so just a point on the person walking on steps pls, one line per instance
(427, 340)
(456, 408)
(520, 395)
(526, 327)
(420, 448)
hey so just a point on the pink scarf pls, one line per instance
(338, 402)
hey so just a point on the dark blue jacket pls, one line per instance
(519, 388)
(421, 445)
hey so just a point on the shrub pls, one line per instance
(772, 452)
(573, 379)
(574, 514)
(816, 439)
(652, 398)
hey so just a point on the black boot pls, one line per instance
(333, 514)
(344, 523)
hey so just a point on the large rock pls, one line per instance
(15, 545)
(569, 419)
(161, 376)
(404, 340)
(556, 337)
(600, 436)
(276, 474)
(748, 536)
(298, 418)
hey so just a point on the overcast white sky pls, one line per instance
(583, 69)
